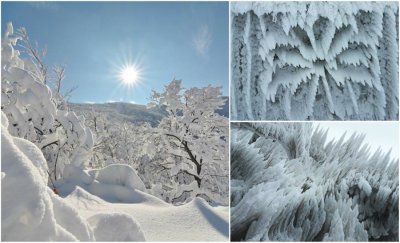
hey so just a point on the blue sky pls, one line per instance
(185, 40)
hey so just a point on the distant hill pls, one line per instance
(128, 112)
(133, 113)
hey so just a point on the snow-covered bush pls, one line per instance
(113, 183)
(122, 175)
(314, 60)
(29, 208)
(189, 148)
(116, 141)
(31, 110)
(288, 183)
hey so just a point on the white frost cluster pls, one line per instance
(289, 184)
(314, 60)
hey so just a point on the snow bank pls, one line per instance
(124, 227)
(160, 221)
(114, 183)
(30, 210)
(119, 174)
(210, 214)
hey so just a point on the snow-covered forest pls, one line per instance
(288, 183)
(314, 61)
(69, 176)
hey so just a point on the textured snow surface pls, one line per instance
(289, 183)
(124, 228)
(159, 221)
(314, 60)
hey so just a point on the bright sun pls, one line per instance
(129, 75)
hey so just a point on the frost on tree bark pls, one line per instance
(288, 183)
(316, 61)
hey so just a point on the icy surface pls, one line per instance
(290, 184)
(314, 60)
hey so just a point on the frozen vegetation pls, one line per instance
(181, 156)
(60, 184)
(288, 183)
(314, 61)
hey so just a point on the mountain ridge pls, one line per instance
(134, 113)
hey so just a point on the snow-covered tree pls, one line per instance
(193, 142)
(288, 183)
(31, 109)
(116, 141)
(314, 60)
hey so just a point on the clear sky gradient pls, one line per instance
(384, 135)
(185, 40)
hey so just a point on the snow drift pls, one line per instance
(314, 60)
(289, 184)
(113, 183)
(124, 228)
(160, 221)
(30, 210)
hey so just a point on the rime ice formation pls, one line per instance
(289, 184)
(316, 61)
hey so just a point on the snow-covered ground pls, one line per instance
(159, 221)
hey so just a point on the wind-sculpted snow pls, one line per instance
(289, 183)
(319, 60)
